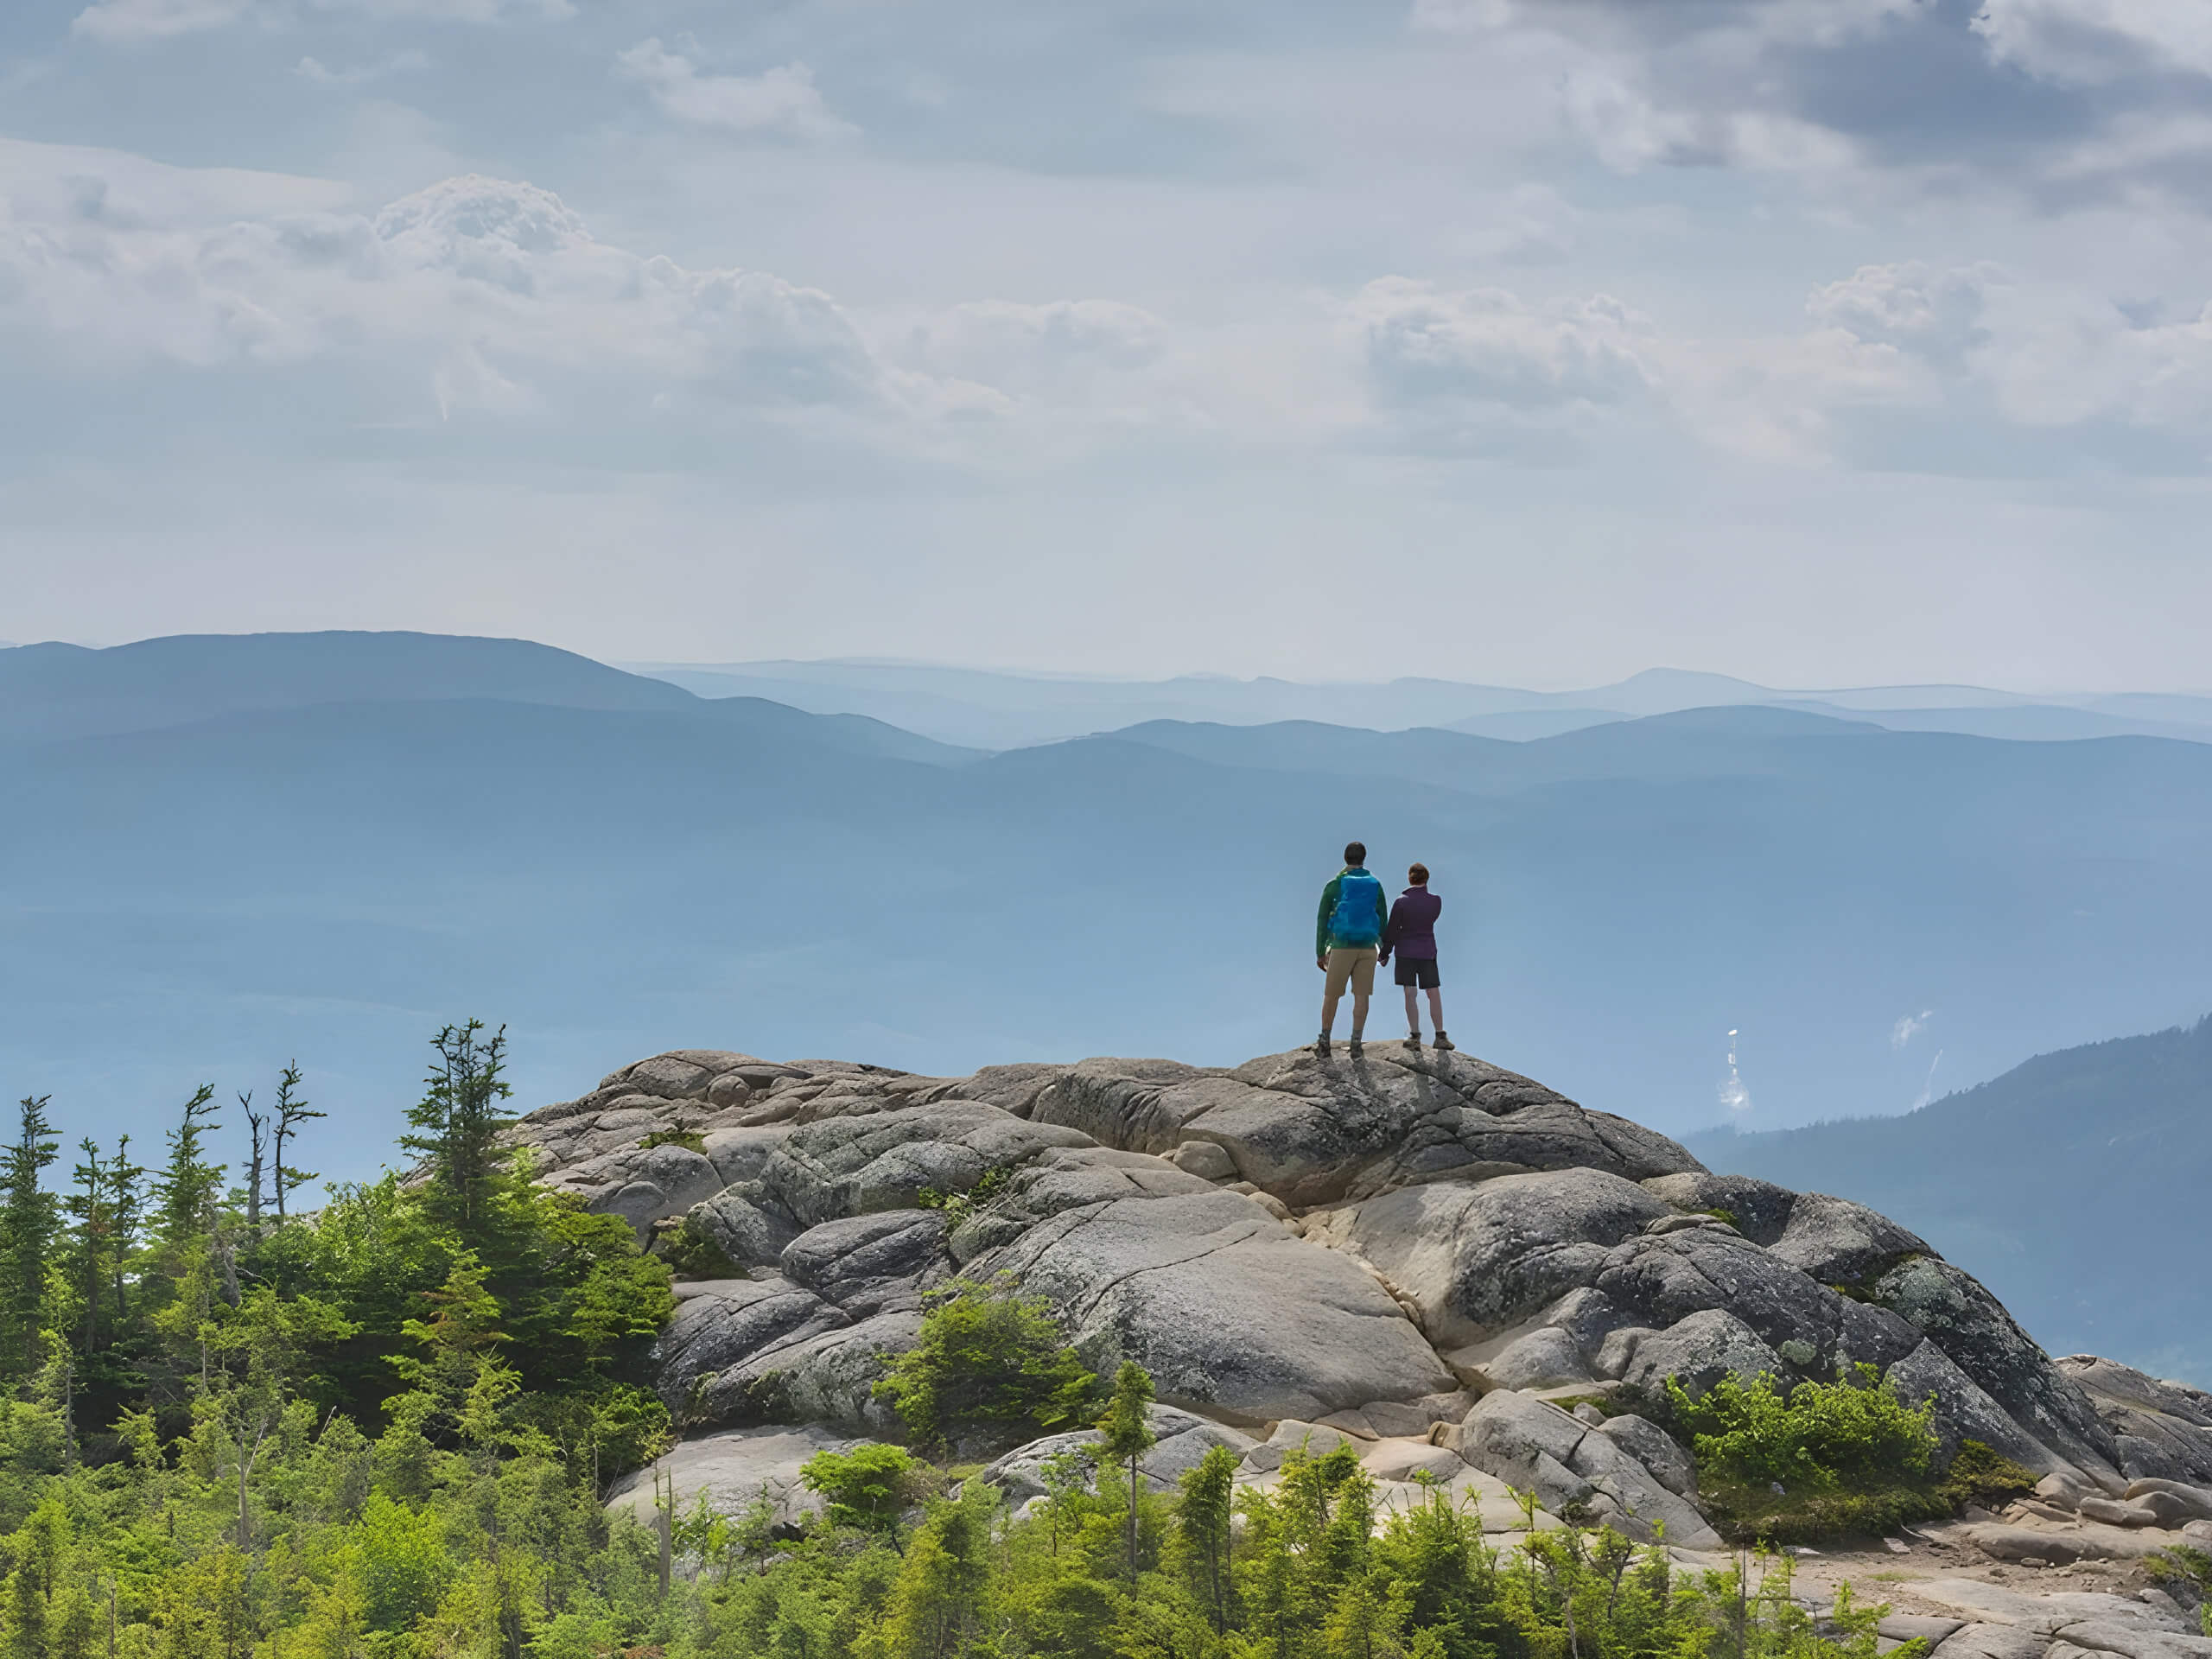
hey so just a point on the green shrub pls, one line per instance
(691, 1255)
(1821, 1459)
(1979, 1475)
(2180, 1566)
(690, 1140)
(866, 1487)
(990, 1363)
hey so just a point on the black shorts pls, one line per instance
(1418, 971)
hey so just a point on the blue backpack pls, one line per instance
(1357, 920)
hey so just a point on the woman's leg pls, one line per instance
(1435, 1006)
(1413, 1011)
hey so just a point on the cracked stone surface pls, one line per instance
(1329, 1246)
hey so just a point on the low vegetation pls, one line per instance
(991, 1365)
(379, 1429)
(1798, 1463)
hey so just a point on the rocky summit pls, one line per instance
(1447, 1263)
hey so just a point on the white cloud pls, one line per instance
(2093, 41)
(1910, 1027)
(783, 101)
(1934, 314)
(128, 22)
(489, 294)
(1426, 344)
(313, 68)
(1033, 347)
(495, 293)
(2039, 353)
(133, 22)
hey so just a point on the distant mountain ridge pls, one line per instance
(1005, 710)
(2077, 1182)
(53, 692)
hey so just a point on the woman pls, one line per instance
(1411, 931)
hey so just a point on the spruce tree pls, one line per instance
(28, 1217)
(291, 1112)
(459, 1123)
(1126, 1433)
(188, 1186)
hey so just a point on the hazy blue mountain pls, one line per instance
(56, 690)
(2076, 1185)
(1000, 711)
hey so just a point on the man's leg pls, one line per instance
(1363, 988)
(1413, 1011)
(1339, 969)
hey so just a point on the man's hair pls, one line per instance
(1355, 852)
(1418, 875)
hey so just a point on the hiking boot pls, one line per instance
(1354, 1049)
(1413, 1042)
(1321, 1048)
(1443, 1045)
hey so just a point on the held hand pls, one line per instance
(1322, 962)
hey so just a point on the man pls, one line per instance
(1411, 931)
(1347, 934)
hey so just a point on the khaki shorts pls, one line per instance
(1355, 964)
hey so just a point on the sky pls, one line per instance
(1527, 341)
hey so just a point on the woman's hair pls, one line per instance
(1418, 875)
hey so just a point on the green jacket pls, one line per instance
(1322, 942)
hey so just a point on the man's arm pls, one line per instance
(1391, 931)
(1321, 921)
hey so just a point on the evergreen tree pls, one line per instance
(1126, 1433)
(27, 1224)
(188, 1185)
(291, 1112)
(1203, 1521)
(90, 1210)
(459, 1123)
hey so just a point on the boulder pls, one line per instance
(1992, 1641)
(1698, 1350)
(1313, 1131)
(2012, 1543)
(2001, 1606)
(735, 1321)
(1758, 1210)
(848, 1166)
(643, 1185)
(2160, 1429)
(748, 1235)
(825, 1377)
(1953, 1311)
(1232, 1314)
(1964, 1411)
(1475, 1258)
(1535, 1446)
(2176, 1501)
(1182, 1439)
(735, 1470)
(1840, 1242)
(871, 1264)
(1656, 1450)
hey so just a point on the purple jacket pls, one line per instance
(1411, 931)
